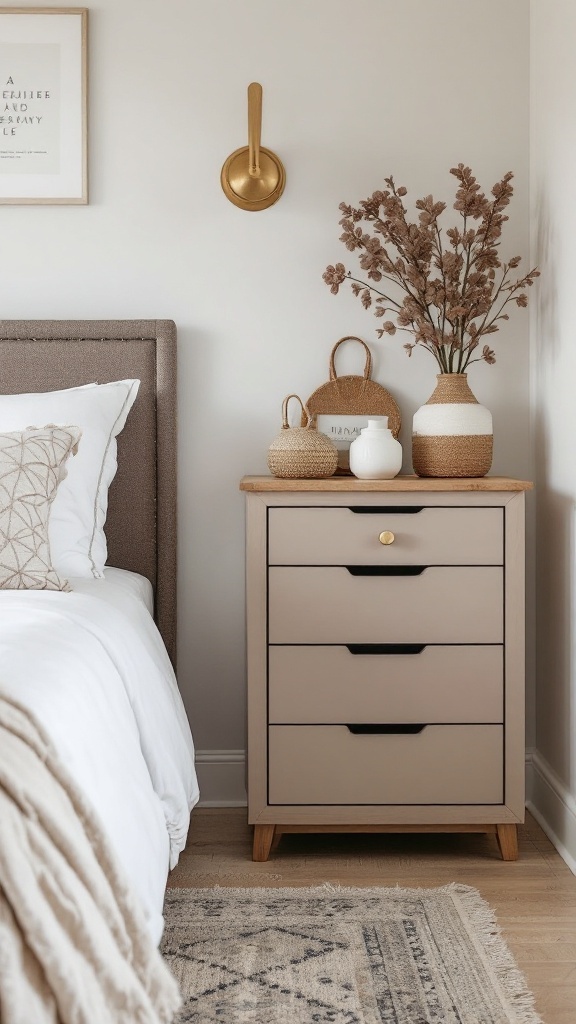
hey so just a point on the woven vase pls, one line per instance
(452, 433)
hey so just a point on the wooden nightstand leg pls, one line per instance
(276, 839)
(507, 836)
(263, 836)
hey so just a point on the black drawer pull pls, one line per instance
(375, 510)
(386, 648)
(386, 570)
(381, 730)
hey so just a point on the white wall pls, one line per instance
(553, 171)
(353, 91)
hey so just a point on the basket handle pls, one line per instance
(305, 412)
(368, 365)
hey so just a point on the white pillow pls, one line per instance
(78, 513)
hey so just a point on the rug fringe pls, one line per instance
(497, 953)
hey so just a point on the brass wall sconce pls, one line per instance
(253, 177)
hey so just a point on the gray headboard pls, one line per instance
(47, 355)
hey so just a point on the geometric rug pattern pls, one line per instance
(341, 956)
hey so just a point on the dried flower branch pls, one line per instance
(449, 297)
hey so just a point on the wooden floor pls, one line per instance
(534, 897)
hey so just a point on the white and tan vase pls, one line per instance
(452, 433)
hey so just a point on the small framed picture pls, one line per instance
(342, 430)
(43, 109)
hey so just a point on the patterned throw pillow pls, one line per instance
(32, 464)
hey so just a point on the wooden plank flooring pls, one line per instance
(534, 897)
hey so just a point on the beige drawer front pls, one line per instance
(432, 536)
(439, 684)
(443, 764)
(328, 605)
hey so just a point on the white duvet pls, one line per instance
(92, 667)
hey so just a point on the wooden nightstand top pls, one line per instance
(399, 483)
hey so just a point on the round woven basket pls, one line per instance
(353, 395)
(301, 452)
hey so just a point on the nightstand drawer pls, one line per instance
(437, 684)
(332, 605)
(442, 764)
(429, 536)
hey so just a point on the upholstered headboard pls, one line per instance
(47, 355)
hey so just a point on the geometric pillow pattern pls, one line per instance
(32, 464)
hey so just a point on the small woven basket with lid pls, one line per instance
(301, 452)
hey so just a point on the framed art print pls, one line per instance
(43, 83)
(341, 429)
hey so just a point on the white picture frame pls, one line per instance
(341, 429)
(43, 105)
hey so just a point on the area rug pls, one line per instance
(341, 956)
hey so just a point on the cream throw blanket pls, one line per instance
(74, 947)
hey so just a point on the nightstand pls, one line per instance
(385, 656)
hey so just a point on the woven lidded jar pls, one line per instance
(301, 452)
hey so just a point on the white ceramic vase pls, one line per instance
(376, 454)
(452, 432)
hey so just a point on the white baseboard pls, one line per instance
(553, 806)
(529, 774)
(221, 778)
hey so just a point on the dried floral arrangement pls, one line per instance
(455, 293)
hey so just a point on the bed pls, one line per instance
(96, 666)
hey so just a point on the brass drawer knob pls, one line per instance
(386, 537)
